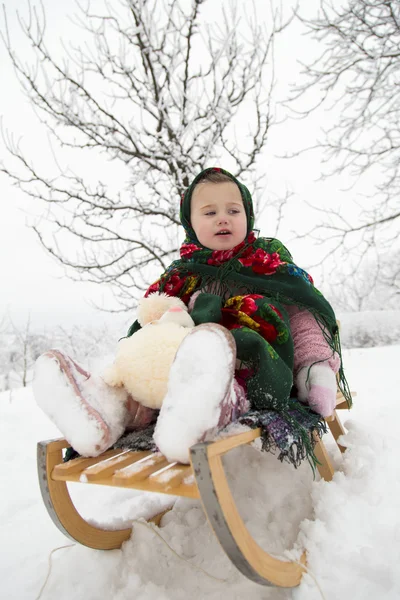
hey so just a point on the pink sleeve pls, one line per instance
(309, 343)
(192, 300)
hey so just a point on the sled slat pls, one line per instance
(108, 472)
(340, 400)
(171, 476)
(77, 465)
(187, 489)
(105, 468)
(222, 446)
(343, 404)
(141, 469)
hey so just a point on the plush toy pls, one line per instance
(144, 360)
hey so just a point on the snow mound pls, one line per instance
(369, 328)
(349, 527)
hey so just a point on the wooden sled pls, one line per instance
(204, 478)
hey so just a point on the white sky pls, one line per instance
(33, 283)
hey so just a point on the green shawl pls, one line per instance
(246, 289)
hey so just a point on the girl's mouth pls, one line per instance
(224, 232)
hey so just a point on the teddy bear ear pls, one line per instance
(111, 376)
(155, 305)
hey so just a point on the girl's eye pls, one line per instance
(233, 211)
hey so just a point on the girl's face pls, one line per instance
(217, 215)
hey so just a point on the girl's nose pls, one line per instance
(222, 220)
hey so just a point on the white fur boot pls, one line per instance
(90, 414)
(202, 392)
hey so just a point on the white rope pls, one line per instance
(49, 568)
(145, 524)
(308, 571)
(313, 577)
(148, 526)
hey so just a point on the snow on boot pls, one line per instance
(201, 391)
(316, 386)
(90, 414)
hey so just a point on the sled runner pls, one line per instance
(204, 479)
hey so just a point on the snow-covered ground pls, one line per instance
(349, 527)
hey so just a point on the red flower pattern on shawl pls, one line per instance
(153, 288)
(241, 311)
(262, 262)
(268, 331)
(172, 288)
(174, 285)
(245, 303)
(220, 256)
(187, 250)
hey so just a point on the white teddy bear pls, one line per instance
(144, 360)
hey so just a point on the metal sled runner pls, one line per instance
(204, 479)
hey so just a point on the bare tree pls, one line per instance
(374, 286)
(20, 347)
(4, 354)
(85, 344)
(356, 75)
(163, 92)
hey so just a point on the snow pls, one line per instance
(137, 466)
(167, 473)
(370, 328)
(349, 527)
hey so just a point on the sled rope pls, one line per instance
(49, 567)
(313, 577)
(145, 524)
(140, 523)
(148, 526)
(309, 572)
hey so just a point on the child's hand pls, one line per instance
(319, 390)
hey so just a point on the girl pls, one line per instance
(262, 331)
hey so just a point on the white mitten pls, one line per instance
(319, 390)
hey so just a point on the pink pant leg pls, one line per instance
(235, 405)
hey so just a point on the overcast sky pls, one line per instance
(33, 283)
